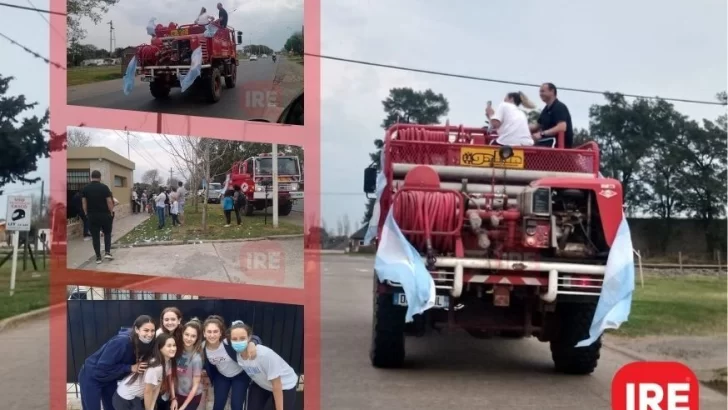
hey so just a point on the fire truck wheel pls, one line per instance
(574, 323)
(213, 86)
(159, 90)
(233, 78)
(285, 209)
(388, 328)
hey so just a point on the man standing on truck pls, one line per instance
(554, 118)
(223, 16)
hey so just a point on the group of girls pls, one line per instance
(166, 368)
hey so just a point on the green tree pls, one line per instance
(405, 105)
(294, 43)
(78, 9)
(23, 141)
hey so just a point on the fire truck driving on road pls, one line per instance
(254, 176)
(168, 57)
(516, 239)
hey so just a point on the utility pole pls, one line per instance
(170, 177)
(111, 39)
(42, 198)
(275, 184)
(128, 144)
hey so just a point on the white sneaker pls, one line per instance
(227, 226)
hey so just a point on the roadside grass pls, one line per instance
(93, 74)
(296, 59)
(31, 292)
(251, 227)
(677, 306)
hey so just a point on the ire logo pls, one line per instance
(655, 386)
(261, 98)
(262, 262)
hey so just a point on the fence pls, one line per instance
(93, 322)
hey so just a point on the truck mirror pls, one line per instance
(370, 180)
(240, 37)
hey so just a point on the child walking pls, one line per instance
(174, 209)
(228, 205)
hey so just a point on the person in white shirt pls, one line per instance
(274, 380)
(203, 18)
(160, 206)
(181, 198)
(140, 391)
(174, 206)
(510, 121)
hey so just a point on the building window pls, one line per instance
(119, 182)
(76, 179)
(141, 295)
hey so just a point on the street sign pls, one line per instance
(18, 213)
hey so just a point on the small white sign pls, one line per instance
(18, 215)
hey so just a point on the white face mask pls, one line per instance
(146, 340)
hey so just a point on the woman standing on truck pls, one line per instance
(274, 380)
(127, 352)
(221, 365)
(510, 121)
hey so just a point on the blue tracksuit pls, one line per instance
(222, 385)
(102, 370)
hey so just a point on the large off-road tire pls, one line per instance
(388, 332)
(159, 90)
(213, 86)
(285, 208)
(249, 208)
(574, 321)
(233, 77)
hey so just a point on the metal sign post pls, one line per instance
(275, 185)
(17, 220)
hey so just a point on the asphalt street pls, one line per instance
(252, 75)
(456, 371)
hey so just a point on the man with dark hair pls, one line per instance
(554, 119)
(98, 205)
(222, 15)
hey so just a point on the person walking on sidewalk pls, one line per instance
(181, 197)
(161, 201)
(78, 205)
(98, 205)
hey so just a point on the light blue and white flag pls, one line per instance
(210, 30)
(374, 220)
(130, 76)
(195, 70)
(615, 300)
(398, 261)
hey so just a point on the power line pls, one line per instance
(31, 52)
(493, 80)
(15, 6)
(45, 18)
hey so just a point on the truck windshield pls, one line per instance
(215, 186)
(286, 166)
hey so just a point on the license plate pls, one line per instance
(441, 301)
(146, 79)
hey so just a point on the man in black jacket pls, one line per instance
(98, 205)
(554, 119)
(222, 16)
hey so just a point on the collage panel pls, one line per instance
(184, 207)
(214, 352)
(223, 60)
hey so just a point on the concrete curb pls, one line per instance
(13, 321)
(194, 242)
(626, 352)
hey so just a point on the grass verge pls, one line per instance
(295, 59)
(93, 74)
(254, 226)
(678, 306)
(31, 288)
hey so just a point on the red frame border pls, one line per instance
(307, 136)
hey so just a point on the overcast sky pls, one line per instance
(646, 47)
(651, 47)
(267, 22)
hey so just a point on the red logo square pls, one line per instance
(655, 386)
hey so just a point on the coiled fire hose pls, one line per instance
(429, 212)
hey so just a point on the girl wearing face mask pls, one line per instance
(125, 353)
(189, 367)
(222, 367)
(274, 381)
(140, 391)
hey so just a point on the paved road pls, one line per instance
(219, 262)
(256, 75)
(457, 372)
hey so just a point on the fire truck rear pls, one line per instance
(515, 238)
(168, 58)
(254, 176)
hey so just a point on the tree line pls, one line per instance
(294, 43)
(670, 166)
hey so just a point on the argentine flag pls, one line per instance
(398, 261)
(615, 300)
(195, 70)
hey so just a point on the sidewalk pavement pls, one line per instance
(81, 251)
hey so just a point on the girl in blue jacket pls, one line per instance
(228, 206)
(128, 352)
(221, 365)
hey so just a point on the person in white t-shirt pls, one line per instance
(140, 391)
(203, 18)
(510, 121)
(274, 380)
(159, 201)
